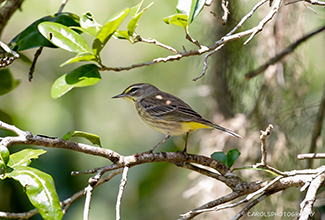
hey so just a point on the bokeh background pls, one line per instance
(286, 95)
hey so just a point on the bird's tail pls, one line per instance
(226, 130)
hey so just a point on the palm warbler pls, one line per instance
(166, 113)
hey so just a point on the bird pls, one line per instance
(166, 113)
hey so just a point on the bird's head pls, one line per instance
(137, 92)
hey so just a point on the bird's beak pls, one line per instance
(119, 96)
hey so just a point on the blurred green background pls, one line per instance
(153, 189)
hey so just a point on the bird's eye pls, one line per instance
(133, 90)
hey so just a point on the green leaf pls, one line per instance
(89, 25)
(63, 37)
(122, 35)
(177, 19)
(4, 156)
(85, 75)
(7, 82)
(81, 57)
(134, 21)
(23, 157)
(219, 156)
(93, 138)
(190, 8)
(228, 159)
(232, 156)
(40, 190)
(134, 10)
(31, 37)
(108, 30)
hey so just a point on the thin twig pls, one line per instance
(89, 191)
(306, 206)
(311, 156)
(284, 52)
(248, 15)
(250, 205)
(268, 17)
(120, 192)
(63, 3)
(205, 62)
(153, 41)
(264, 135)
(317, 128)
(32, 67)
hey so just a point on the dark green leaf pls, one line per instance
(23, 157)
(93, 138)
(63, 37)
(232, 156)
(40, 190)
(4, 156)
(219, 156)
(7, 82)
(177, 19)
(31, 37)
(108, 30)
(81, 57)
(228, 159)
(85, 75)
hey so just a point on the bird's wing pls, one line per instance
(164, 105)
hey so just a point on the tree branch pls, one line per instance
(283, 53)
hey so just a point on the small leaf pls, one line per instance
(4, 156)
(122, 35)
(232, 156)
(93, 138)
(89, 25)
(134, 21)
(228, 159)
(40, 190)
(134, 10)
(85, 75)
(81, 57)
(108, 30)
(63, 37)
(177, 19)
(23, 157)
(190, 8)
(7, 82)
(219, 156)
(31, 37)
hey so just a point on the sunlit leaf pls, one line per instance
(40, 190)
(191, 8)
(89, 25)
(81, 57)
(121, 34)
(64, 37)
(31, 37)
(177, 19)
(85, 75)
(93, 138)
(4, 156)
(108, 30)
(134, 10)
(7, 82)
(134, 21)
(23, 157)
